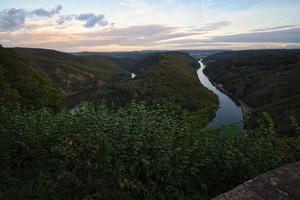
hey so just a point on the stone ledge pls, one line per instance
(282, 183)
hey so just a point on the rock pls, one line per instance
(280, 184)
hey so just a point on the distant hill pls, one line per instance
(75, 73)
(124, 54)
(161, 77)
(267, 80)
(24, 85)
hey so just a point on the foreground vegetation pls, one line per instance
(267, 80)
(137, 152)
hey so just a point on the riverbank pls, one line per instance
(229, 111)
(246, 109)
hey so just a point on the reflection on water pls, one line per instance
(228, 112)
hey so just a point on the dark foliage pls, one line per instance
(138, 152)
(267, 80)
(73, 74)
(21, 84)
(162, 78)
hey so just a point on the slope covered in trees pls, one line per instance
(267, 80)
(166, 77)
(21, 84)
(75, 73)
(162, 78)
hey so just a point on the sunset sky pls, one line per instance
(126, 25)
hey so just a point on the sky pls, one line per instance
(128, 25)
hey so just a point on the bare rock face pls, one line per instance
(280, 184)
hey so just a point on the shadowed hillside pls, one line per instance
(161, 78)
(21, 84)
(267, 80)
(165, 77)
(74, 73)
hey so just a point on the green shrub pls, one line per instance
(137, 152)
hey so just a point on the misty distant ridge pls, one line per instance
(123, 54)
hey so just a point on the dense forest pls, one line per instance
(24, 85)
(140, 138)
(167, 77)
(74, 73)
(266, 80)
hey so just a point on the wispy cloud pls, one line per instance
(286, 35)
(152, 36)
(213, 26)
(275, 28)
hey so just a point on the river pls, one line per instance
(228, 112)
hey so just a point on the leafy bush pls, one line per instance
(138, 152)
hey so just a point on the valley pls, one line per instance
(156, 125)
(150, 100)
(228, 112)
(266, 80)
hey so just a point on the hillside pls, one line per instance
(21, 84)
(161, 78)
(165, 77)
(132, 54)
(267, 80)
(74, 73)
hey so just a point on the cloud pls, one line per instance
(287, 36)
(91, 20)
(275, 28)
(213, 26)
(15, 18)
(139, 36)
(47, 13)
(12, 19)
(65, 18)
(143, 35)
(291, 35)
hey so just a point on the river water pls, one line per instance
(228, 112)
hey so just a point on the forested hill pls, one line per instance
(165, 77)
(75, 73)
(267, 80)
(21, 84)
